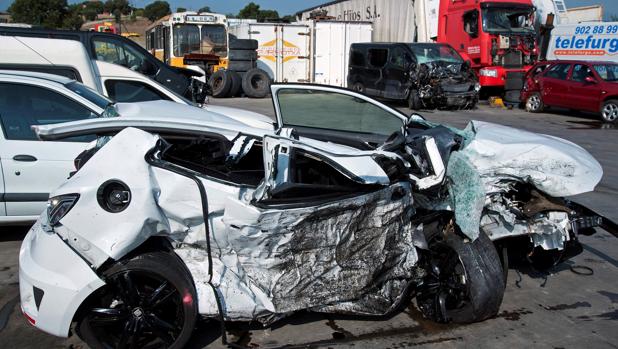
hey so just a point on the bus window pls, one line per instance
(186, 39)
(213, 40)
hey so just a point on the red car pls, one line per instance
(579, 85)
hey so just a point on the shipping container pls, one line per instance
(309, 51)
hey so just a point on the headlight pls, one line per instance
(59, 206)
(489, 72)
(477, 87)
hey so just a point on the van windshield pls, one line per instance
(427, 53)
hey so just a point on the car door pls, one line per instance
(334, 114)
(583, 94)
(32, 168)
(554, 85)
(374, 74)
(397, 74)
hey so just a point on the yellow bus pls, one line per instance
(190, 40)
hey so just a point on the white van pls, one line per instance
(69, 58)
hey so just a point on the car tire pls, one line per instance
(240, 65)
(243, 44)
(236, 88)
(220, 83)
(242, 55)
(256, 83)
(414, 101)
(465, 281)
(358, 87)
(146, 298)
(534, 103)
(609, 111)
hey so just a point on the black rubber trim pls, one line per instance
(23, 197)
(38, 296)
(152, 160)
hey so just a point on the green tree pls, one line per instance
(90, 9)
(73, 19)
(613, 18)
(45, 13)
(250, 11)
(253, 11)
(204, 9)
(181, 9)
(117, 6)
(156, 10)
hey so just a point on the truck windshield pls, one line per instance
(607, 72)
(426, 53)
(502, 19)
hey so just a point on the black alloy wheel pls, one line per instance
(139, 308)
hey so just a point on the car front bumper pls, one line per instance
(53, 280)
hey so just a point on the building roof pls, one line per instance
(320, 6)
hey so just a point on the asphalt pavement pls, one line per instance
(573, 305)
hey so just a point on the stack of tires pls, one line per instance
(242, 75)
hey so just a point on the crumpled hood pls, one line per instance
(553, 165)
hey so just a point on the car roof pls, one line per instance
(35, 75)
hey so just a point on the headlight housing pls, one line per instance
(59, 206)
(493, 73)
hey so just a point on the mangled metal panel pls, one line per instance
(267, 261)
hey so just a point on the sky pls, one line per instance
(285, 7)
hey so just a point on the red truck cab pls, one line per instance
(498, 36)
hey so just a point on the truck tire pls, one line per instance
(240, 65)
(256, 83)
(236, 84)
(242, 55)
(220, 83)
(243, 44)
(465, 281)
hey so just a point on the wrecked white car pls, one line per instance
(345, 205)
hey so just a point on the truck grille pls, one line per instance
(512, 59)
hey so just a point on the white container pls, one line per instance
(306, 51)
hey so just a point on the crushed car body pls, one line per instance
(426, 75)
(314, 213)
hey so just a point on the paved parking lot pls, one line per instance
(559, 309)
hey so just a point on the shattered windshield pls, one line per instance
(607, 72)
(426, 53)
(502, 19)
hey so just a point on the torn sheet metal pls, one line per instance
(444, 84)
(553, 165)
(356, 254)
